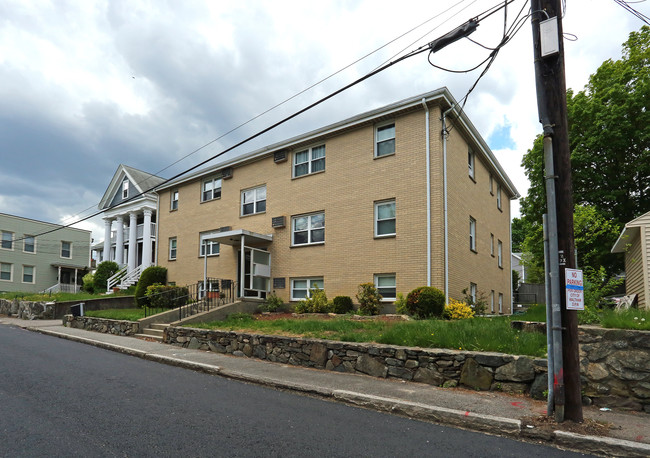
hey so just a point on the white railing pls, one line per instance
(131, 278)
(115, 279)
(62, 288)
(139, 233)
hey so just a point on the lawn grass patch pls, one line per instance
(478, 334)
(117, 314)
(626, 319)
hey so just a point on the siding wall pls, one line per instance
(346, 191)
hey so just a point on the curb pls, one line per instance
(604, 446)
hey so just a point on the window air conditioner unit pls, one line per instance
(280, 156)
(226, 173)
(278, 221)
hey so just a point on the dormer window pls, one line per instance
(125, 189)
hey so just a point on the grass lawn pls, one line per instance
(478, 334)
(607, 318)
(117, 314)
(57, 297)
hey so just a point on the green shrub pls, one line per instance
(149, 276)
(400, 304)
(479, 305)
(164, 296)
(104, 271)
(316, 303)
(272, 304)
(369, 299)
(425, 302)
(88, 281)
(342, 304)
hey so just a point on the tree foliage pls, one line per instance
(609, 136)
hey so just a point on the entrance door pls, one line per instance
(257, 272)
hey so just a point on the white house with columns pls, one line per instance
(129, 224)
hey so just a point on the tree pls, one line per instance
(518, 228)
(105, 270)
(609, 135)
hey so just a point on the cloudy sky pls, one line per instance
(87, 85)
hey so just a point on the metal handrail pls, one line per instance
(195, 300)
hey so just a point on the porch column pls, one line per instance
(119, 243)
(146, 240)
(107, 240)
(133, 239)
(242, 270)
(75, 280)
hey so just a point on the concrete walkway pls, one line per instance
(491, 412)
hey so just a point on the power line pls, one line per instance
(636, 13)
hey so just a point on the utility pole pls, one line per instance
(551, 101)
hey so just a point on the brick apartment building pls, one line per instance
(381, 197)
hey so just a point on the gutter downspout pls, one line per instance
(444, 192)
(428, 172)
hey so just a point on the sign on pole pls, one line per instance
(575, 289)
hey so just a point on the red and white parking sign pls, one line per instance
(575, 289)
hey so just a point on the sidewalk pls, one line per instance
(491, 412)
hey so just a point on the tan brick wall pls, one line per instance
(346, 191)
(472, 198)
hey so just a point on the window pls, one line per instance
(212, 247)
(311, 160)
(385, 221)
(385, 140)
(5, 271)
(386, 286)
(211, 189)
(28, 274)
(491, 184)
(7, 240)
(174, 200)
(500, 302)
(125, 189)
(470, 163)
(472, 234)
(472, 292)
(172, 248)
(253, 201)
(492, 301)
(500, 253)
(66, 249)
(29, 244)
(499, 196)
(308, 229)
(492, 245)
(300, 287)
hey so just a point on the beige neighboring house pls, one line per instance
(634, 241)
(390, 196)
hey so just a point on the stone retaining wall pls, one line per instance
(27, 310)
(104, 325)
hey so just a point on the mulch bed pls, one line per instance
(270, 316)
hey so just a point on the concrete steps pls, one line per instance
(155, 332)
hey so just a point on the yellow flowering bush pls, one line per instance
(457, 310)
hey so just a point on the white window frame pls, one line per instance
(310, 229)
(312, 282)
(33, 275)
(473, 292)
(173, 199)
(377, 220)
(501, 303)
(33, 244)
(69, 249)
(385, 298)
(11, 271)
(256, 202)
(125, 188)
(499, 196)
(216, 188)
(472, 234)
(492, 245)
(384, 126)
(471, 163)
(310, 160)
(173, 248)
(4, 240)
(492, 301)
(213, 247)
(500, 253)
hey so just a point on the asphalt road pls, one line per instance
(62, 398)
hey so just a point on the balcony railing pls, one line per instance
(139, 231)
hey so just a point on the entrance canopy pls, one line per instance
(234, 238)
